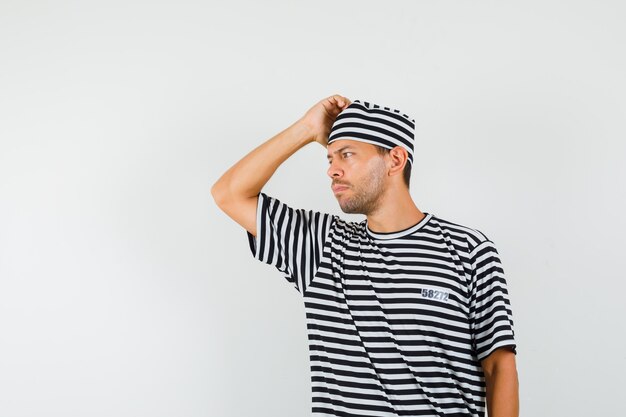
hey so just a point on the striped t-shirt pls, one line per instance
(397, 322)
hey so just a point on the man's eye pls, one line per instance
(344, 154)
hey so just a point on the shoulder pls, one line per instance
(278, 207)
(471, 235)
(346, 229)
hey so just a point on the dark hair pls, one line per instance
(406, 174)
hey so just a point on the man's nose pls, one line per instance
(334, 170)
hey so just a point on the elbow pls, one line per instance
(218, 192)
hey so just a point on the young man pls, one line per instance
(407, 313)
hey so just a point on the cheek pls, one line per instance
(364, 178)
(374, 167)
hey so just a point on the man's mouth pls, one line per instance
(338, 188)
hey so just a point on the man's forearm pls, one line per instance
(503, 393)
(248, 176)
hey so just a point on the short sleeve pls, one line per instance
(491, 318)
(290, 239)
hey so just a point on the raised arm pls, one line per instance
(236, 191)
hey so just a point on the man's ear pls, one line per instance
(399, 157)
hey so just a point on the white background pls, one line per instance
(125, 291)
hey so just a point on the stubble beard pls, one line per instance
(365, 199)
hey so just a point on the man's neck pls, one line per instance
(396, 212)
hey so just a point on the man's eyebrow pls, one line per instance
(339, 150)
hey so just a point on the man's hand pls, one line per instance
(321, 116)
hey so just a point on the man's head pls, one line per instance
(365, 171)
(370, 150)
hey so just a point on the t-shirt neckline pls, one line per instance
(400, 233)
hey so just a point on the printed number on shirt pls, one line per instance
(434, 294)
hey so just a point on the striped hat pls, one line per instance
(368, 122)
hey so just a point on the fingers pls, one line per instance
(339, 100)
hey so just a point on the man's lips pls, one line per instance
(338, 188)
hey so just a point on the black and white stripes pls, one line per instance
(397, 322)
(383, 126)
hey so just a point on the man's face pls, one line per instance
(361, 170)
